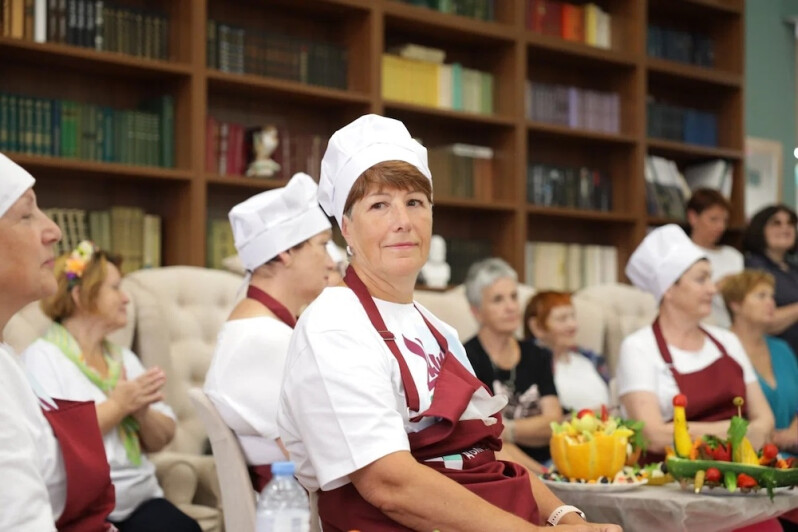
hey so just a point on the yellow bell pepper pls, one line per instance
(601, 455)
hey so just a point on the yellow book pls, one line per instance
(592, 14)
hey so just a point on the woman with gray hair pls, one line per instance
(520, 371)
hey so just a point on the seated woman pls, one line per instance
(581, 376)
(767, 242)
(74, 360)
(519, 371)
(281, 236)
(749, 296)
(41, 438)
(677, 355)
(380, 409)
(708, 215)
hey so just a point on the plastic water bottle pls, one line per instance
(285, 506)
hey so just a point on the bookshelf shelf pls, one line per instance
(242, 182)
(700, 7)
(680, 72)
(452, 28)
(251, 85)
(89, 60)
(661, 220)
(447, 115)
(684, 151)
(460, 203)
(580, 214)
(97, 170)
(544, 47)
(541, 129)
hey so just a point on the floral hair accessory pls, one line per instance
(78, 260)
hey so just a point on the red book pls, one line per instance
(211, 145)
(543, 16)
(572, 25)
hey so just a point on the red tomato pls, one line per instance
(713, 475)
(680, 400)
(584, 412)
(770, 451)
(746, 481)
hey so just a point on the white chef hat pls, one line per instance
(276, 220)
(661, 258)
(14, 181)
(358, 146)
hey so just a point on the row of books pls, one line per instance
(586, 23)
(461, 253)
(219, 243)
(445, 86)
(125, 231)
(278, 55)
(63, 128)
(673, 122)
(668, 188)
(229, 149)
(573, 107)
(478, 9)
(462, 171)
(97, 24)
(569, 266)
(568, 186)
(681, 46)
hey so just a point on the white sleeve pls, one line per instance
(339, 394)
(247, 374)
(636, 370)
(133, 369)
(24, 497)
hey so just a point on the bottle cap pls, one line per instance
(283, 468)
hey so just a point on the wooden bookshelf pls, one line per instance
(188, 195)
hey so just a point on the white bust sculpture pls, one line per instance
(436, 272)
(264, 142)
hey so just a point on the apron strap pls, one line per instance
(665, 353)
(353, 281)
(279, 310)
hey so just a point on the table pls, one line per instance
(668, 508)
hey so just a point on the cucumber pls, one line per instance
(766, 477)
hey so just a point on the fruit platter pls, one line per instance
(711, 463)
(592, 449)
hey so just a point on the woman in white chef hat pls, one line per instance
(46, 445)
(678, 355)
(380, 409)
(281, 237)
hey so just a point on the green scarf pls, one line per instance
(63, 340)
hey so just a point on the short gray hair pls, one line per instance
(483, 274)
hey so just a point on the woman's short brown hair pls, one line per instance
(734, 288)
(388, 174)
(703, 198)
(541, 305)
(61, 306)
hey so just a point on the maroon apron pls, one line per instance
(90, 494)
(260, 475)
(711, 391)
(503, 484)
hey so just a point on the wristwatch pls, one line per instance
(561, 511)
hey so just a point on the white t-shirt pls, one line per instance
(578, 383)
(244, 381)
(343, 404)
(33, 484)
(61, 378)
(642, 369)
(725, 260)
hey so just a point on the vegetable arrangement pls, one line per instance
(731, 463)
(591, 445)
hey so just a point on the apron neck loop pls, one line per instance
(279, 310)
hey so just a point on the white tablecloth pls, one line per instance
(670, 509)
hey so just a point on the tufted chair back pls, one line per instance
(179, 311)
(626, 309)
(452, 307)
